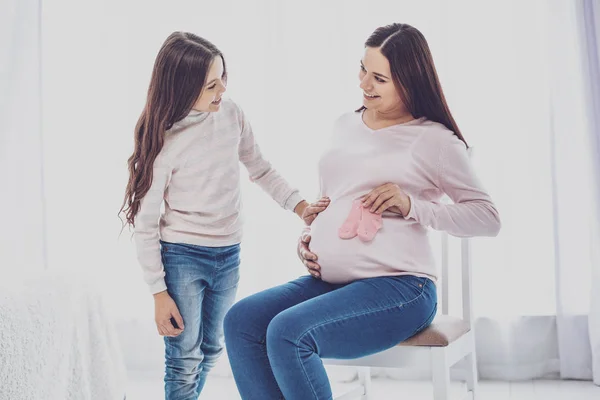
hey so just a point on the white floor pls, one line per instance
(145, 388)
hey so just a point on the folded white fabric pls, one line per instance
(57, 341)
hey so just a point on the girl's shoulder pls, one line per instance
(230, 109)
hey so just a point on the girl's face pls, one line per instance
(210, 96)
(379, 91)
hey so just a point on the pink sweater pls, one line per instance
(424, 159)
(197, 177)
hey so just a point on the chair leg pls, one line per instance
(364, 377)
(440, 370)
(472, 377)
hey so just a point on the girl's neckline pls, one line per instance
(193, 117)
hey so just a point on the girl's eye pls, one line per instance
(212, 87)
(379, 80)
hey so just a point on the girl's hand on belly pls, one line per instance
(312, 211)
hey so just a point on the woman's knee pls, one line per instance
(285, 327)
(234, 318)
(239, 316)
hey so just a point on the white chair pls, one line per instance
(445, 342)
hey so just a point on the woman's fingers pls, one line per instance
(370, 197)
(308, 257)
(305, 238)
(312, 265)
(313, 268)
(382, 198)
(387, 204)
(305, 253)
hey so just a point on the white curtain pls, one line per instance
(22, 235)
(574, 181)
(511, 77)
(588, 13)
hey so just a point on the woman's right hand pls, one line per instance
(165, 310)
(308, 258)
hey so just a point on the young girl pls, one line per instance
(188, 144)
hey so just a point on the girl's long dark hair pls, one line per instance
(414, 73)
(178, 77)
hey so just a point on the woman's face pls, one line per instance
(379, 91)
(210, 96)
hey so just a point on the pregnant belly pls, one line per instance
(339, 258)
(399, 246)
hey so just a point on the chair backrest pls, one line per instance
(465, 261)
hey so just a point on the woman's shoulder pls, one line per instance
(435, 140)
(437, 134)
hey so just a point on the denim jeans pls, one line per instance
(276, 338)
(203, 282)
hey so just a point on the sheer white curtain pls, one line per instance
(21, 180)
(574, 183)
(539, 267)
(588, 22)
(293, 68)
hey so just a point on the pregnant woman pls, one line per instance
(373, 284)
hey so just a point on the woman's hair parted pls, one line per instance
(179, 74)
(414, 73)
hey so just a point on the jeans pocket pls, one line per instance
(410, 287)
(417, 282)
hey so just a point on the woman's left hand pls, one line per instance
(387, 197)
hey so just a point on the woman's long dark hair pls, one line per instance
(414, 74)
(179, 75)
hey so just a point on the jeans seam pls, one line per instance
(263, 348)
(314, 392)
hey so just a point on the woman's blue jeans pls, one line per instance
(275, 339)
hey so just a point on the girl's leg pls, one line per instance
(187, 275)
(361, 318)
(246, 332)
(218, 299)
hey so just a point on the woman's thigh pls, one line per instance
(254, 313)
(358, 319)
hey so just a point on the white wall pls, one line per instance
(293, 68)
(292, 73)
(21, 184)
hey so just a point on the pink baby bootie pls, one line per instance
(349, 228)
(369, 224)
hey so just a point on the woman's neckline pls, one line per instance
(409, 122)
